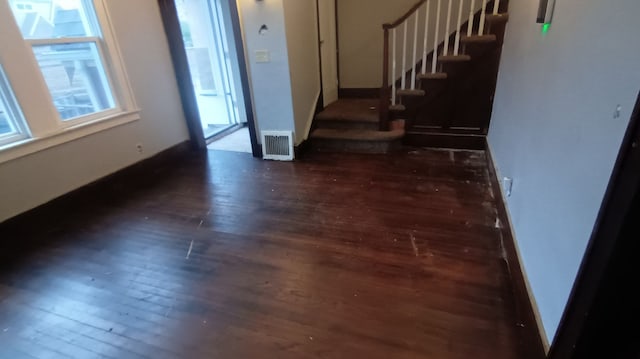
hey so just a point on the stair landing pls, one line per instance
(351, 125)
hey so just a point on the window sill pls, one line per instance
(32, 145)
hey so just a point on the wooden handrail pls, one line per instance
(404, 17)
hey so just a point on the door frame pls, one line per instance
(608, 254)
(321, 104)
(171, 24)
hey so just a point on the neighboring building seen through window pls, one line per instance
(66, 40)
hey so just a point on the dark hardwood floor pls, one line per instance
(227, 256)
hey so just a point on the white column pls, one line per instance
(404, 58)
(426, 36)
(483, 16)
(456, 45)
(393, 69)
(436, 40)
(445, 51)
(472, 12)
(415, 51)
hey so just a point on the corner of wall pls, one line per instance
(312, 114)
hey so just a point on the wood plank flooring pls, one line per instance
(226, 256)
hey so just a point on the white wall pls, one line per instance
(301, 20)
(553, 131)
(270, 82)
(35, 179)
(361, 37)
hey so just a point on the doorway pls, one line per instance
(209, 43)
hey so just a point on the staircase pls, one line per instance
(438, 84)
(352, 125)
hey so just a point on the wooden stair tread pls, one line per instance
(356, 110)
(479, 38)
(504, 17)
(365, 119)
(408, 92)
(357, 135)
(433, 76)
(454, 58)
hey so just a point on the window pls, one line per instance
(66, 40)
(11, 124)
(64, 65)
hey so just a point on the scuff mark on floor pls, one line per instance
(413, 245)
(190, 249)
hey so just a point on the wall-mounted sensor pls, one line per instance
(263, 30)
(545, 11)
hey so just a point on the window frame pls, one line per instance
(117, 108)
(13, 113)
(43, 122)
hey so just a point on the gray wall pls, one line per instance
(270, 82)
(284, 90)
(553, 131)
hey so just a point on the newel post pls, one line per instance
(384, 90)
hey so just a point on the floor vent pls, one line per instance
(277, 145)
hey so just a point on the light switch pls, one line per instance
(263, 56)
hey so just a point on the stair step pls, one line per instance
(433, 76)
(454, 58)
(479, 39)
(397, 108)
(407, 92)
(358, 141)
(504, 17)
(357, 135)
(357, 110)
(347, 124)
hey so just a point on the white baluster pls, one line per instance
(415, 51)
(404, 58)
(426, 35)
(393, 69)
(436, 40)
(472, 12)
(445, 51)
(496, 6)
(483, 16)
(456, 46)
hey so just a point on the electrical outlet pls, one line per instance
(507, 184)
(139, 148)
(617, 112)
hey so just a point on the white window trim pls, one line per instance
(29, 146)
(45, 126)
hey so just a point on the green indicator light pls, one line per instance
(545, 28)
